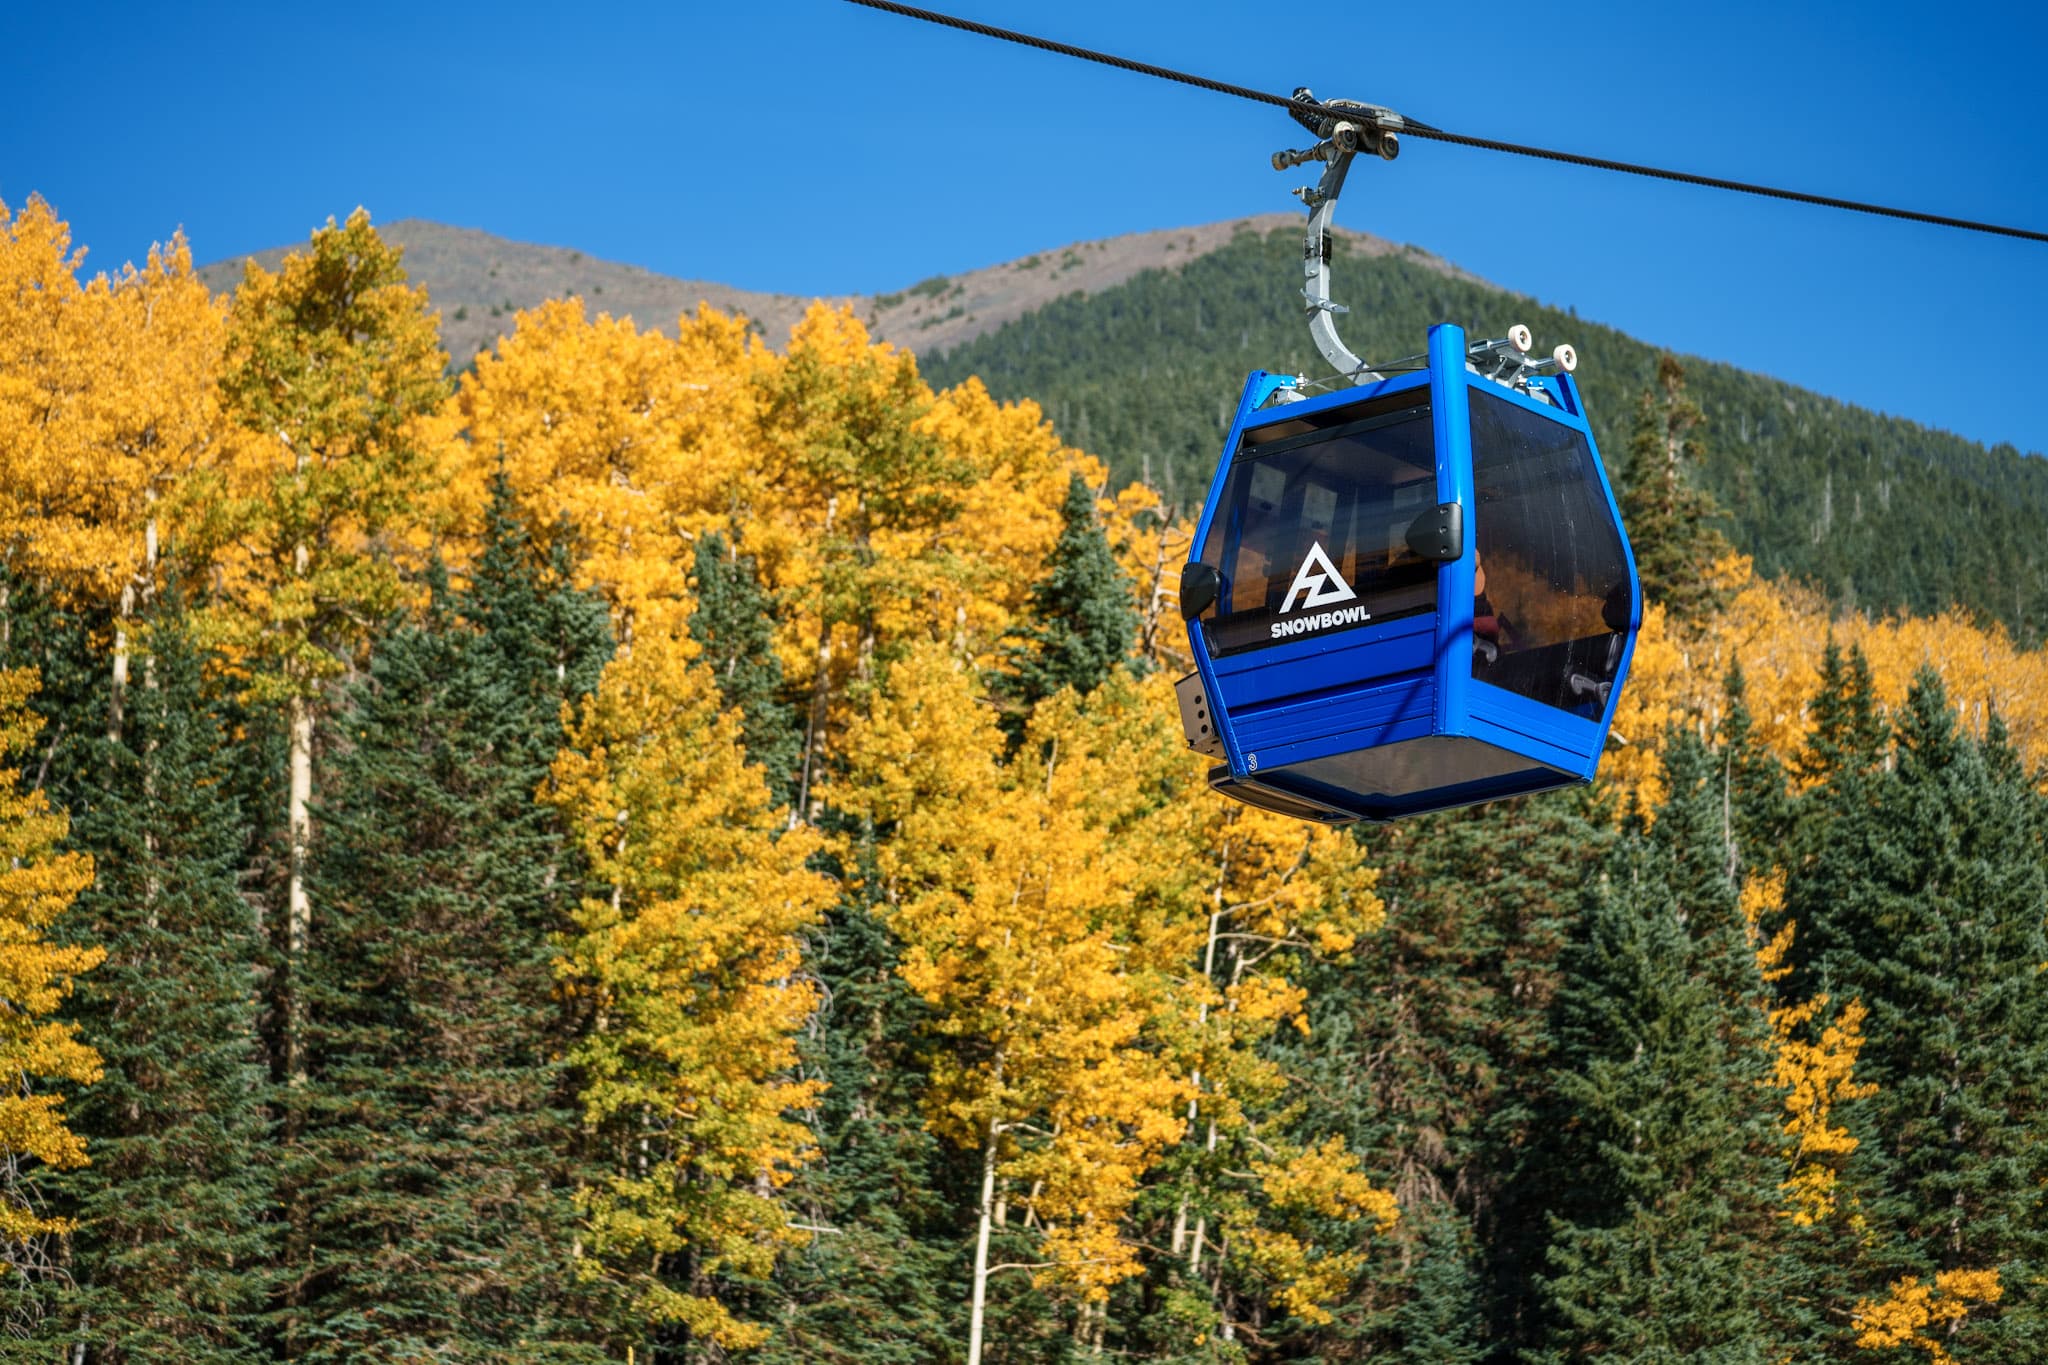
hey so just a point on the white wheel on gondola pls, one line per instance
(1567, 359)
(1520, 338)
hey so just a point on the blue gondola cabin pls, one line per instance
(1409, 595)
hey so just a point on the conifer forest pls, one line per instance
(681, 849)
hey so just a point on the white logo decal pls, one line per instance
(1320, 579)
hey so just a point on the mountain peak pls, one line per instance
(479, 281)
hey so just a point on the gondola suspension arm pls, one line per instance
(1361, 127)
(1344, 128)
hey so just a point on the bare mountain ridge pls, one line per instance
(479, 281)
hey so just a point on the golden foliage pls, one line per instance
(690, 969)
(1322, 1180)
(1778, 632)
(333, 379)
(1046, 926)
(1273, 889)
(108, 402)
(1904, 1316)
(37, 884)
(1816, 1074)
(618, 441)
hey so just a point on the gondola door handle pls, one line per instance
(1439, 533)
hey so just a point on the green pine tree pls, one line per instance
(1669, 519)
(1756, 810)
(1848, 731)
(549, 641)
(1440, 1320)
(735, 622)
(1662, 1152)
(1920, 894)
(173, 1256)
(879, 1286)
(1081, 621)
(1427, 1049)
(434, 1166)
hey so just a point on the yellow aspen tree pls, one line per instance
(841, 424)
(597, 427)
(333, 366)
(1046, 926)
(37, 883)
(151, 437)
(1013, 475)
(894, 515)
(111, 403)
(1815, 1065)
(1906, 1314)
(42, 377)
(1814, 1057)
(688, 960)
(158, 448)
(1273, 890)
(1151, 544)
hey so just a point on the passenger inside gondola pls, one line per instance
(1550, 562)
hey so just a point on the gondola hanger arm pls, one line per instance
(1342, 136)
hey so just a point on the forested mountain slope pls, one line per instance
(1881, 513)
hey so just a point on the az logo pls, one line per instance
(1319, 578)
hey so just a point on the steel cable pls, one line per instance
(1414, 128)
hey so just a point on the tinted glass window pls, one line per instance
(1312, 532)
(1552, 581)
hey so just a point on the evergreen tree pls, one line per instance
(1921, 896)
(549, 641)
(1662, 1152)
(1082, 623)
(1848, 731)
(42, 630)
(1439, 1322)
(879, 1287)
(735, 622)
(173, 1256)
(1427, 1047)
(1669, 520)
(435, 1158)
(1756, 809)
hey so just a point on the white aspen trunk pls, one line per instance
(120, 688)
(814, 724)
(299, 828)
(298, 906)
(1216, 916)
(140, 586)
(980, 1295)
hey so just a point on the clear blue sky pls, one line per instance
(809, 146)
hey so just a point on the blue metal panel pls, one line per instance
(1559, 739)
(1451, 409)
(1542, 724)
(1273, 761)
(1314, 664)
(1364, 715)
(1258, 387)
